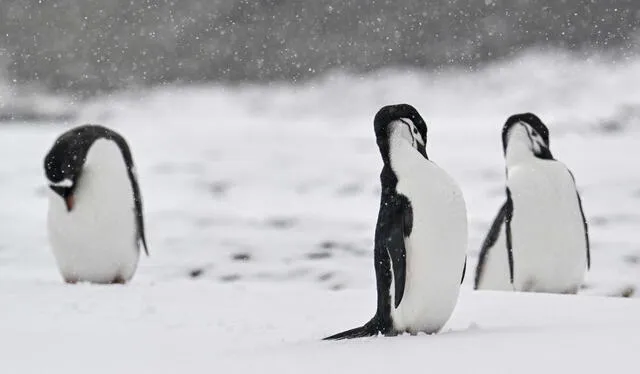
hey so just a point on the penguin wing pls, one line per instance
(464, 269)
(133, 178)
(503, 217)
(137, 205)
(399, 217)
(508, 217)
(584, 222)
(139, 215)
(586, 232)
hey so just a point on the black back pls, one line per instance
(395, 217)
(394, 225)
(395, 222)
(66, 160)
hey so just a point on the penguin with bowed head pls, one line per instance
(539, 241)
(95, 218)
(420, 236)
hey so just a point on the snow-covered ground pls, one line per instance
(261, 202)
(182, 327)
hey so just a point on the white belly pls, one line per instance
(96, 241)
(549, 247)
(436, 247)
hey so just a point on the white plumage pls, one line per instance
(97, 240)
(437, 245)
(548, 234)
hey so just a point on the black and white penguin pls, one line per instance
(539, 241)
(95, 220)
(421, 233)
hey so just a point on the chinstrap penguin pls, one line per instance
(421, 232)
(539, 241)
(95, 219)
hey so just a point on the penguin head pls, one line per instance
(527, 130)
(64, 163)
(400, 121)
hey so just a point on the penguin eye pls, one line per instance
(415, 131)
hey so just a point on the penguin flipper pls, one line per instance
(464, 269)
(137, 196)
(584, 223)
(368, 329)
(491, 239)
(400, 218)
(508, 218)
(138, 211)
(586, 232)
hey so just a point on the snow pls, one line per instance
(186, 326)
(260, 202)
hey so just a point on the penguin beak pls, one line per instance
(69, 202)
(420, 147)
(66, 193)
(544, 152)
(422, 150)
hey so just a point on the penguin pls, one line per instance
(95, 220)
(539, 240)
(420, 236)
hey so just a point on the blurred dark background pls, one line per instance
(93, 46)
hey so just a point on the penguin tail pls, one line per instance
(369, 329)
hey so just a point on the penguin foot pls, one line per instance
(571, 291)
(118, 280)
